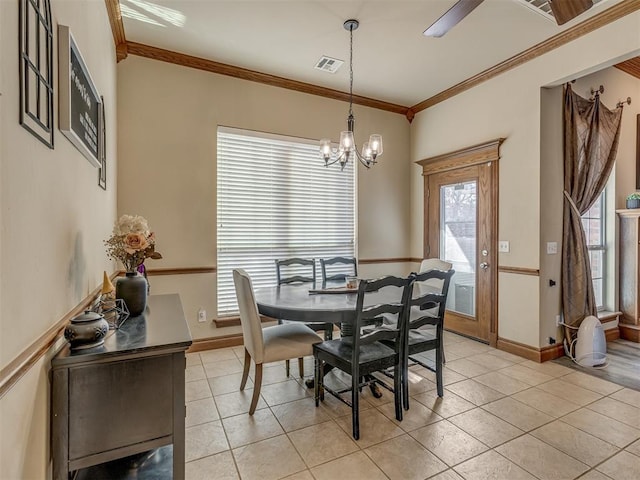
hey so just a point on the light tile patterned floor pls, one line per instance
(502, 417)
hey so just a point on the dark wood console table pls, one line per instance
(124, 397)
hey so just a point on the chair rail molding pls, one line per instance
(19, 366)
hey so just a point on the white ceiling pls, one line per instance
(393, 61)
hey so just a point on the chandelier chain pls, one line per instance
(351, 71)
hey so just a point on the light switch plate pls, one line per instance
(552, 248)
(503, 246)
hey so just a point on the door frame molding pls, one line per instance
(474, 155)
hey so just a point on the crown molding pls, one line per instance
(124, 48)
(631, 66)
(184, 60)
(597, 21)
(117, 28)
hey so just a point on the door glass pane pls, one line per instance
(458, 232)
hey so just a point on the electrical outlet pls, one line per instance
(503, 246)
(552, 248)
(552, 341)
(202, 315)
(558, 320)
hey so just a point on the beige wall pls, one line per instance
(168, 116)
(54, 220)
(509, 106)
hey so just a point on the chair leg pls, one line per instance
(444, 360)
(439, 361)
(355, 405)
(245, 372)
(316, 380)
(301, 367)
(405, 382)
(287, 366)
(256, 389)
(398, 391)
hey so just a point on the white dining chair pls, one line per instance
(270, 344)
(422, 288)
(426, 265)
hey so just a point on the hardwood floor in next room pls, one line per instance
(623, 364)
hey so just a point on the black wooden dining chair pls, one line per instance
(426, 309)
(296, 270)
(299, 271)
(338, 273)
(363, 353)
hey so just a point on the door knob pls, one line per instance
(484, 265)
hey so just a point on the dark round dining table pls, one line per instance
(294, 302)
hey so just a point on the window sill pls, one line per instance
(608, 319)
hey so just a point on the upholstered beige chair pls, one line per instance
(422, 288)
(426, 265)
(270, 344)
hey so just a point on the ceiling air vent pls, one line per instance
(543, 8)
(328, 64)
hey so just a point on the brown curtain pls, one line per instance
(591, 133)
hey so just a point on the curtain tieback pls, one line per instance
(572, 203)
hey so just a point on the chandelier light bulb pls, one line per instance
(366, 152)
(325, 149)
(375, 142)
(346, 141)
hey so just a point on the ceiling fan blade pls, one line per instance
(565, 10)
(450, 19)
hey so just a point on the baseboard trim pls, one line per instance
(19, 366)
(611, 334)
(630, 332)
(235, 321)
(551, 352)
(213, 343)
(539, 355)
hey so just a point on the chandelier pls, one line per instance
(347, 149)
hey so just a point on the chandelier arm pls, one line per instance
(334, 159)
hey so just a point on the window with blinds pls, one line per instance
(594, 226)
(277, 200)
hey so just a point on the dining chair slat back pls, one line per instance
(331, 274)
(296, 270)
(427, 309)
(363, 353)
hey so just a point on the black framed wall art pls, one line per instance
(79, 102)
(102, 171)
(36, 69)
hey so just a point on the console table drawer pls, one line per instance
(119, 404)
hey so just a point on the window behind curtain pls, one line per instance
(594, 227)
(275, 200)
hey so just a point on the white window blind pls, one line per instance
(594, 226)
(276, 200)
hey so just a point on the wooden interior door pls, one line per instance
(460, 206)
